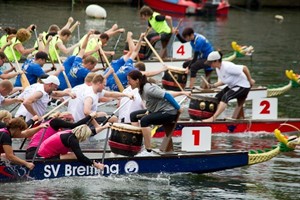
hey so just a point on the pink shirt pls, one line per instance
(53, 146)
(35, 140)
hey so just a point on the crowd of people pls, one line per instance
(80, 86)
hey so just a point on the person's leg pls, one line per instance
(136, 115)
(165, 38)
(153, 119)
(221, 107)
(194, 68)
(239, 111)
(241, 96)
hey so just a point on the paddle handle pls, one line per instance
(205, 81)
(154, 51)
(56, 108)
(64, 73)
(24, 81)
(117, 80)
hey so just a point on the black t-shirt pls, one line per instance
(70, 141)
(5, 139)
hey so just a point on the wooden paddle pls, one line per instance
(115, 47)
(24, 81)
(107, 133)
(205, 81)
(63, 71)
(117, 80)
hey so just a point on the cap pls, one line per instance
(215, 55)
(51, 79)
(41, 55)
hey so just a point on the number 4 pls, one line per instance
(180, 50)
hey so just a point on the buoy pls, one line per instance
(96, 11)
(279, 17)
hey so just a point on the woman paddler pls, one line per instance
(17, 41)
(57, 122)
(59, 145)
(14, 129)
(161, 106)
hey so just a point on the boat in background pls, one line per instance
(235, 126)
(192, 7)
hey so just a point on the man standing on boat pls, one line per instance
(201, 47)
(238, 81)
(162, 25)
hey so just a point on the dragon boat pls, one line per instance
(160, 162)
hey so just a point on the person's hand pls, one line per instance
(122, 30)
(187, 93)
(29, 165)
(180, 110)
(130, 96)
(44, 125)
(187, 70)
(98, 165)
(19, 100)
(70, 20)
(49, 39)
(35, 118)
(93, 114)
(252, 82)
(164, 68)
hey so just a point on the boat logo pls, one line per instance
(131, 167)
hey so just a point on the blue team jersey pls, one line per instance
(202, 45)
(77, 73)
(122, 75)
(116, 65)
(32, 71)
(67, 65)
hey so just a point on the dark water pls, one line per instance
(276, 49)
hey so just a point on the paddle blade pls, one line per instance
(24, 81)
(118, 82)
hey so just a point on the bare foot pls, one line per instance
(211, 119)
(114, 27)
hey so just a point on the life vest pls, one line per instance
(9, 53)
(159, 27)
(52, 47)
(3, 40)
(91, 45)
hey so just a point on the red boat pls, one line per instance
(190, 7)
(238, 126)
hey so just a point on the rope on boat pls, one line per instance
(272, 92)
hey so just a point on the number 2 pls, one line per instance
(266, 107)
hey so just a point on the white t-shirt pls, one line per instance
(40, 106)
(1, 99)
(232, 75)
(129, 107)
(76, 106)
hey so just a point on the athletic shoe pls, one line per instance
(145, 153)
